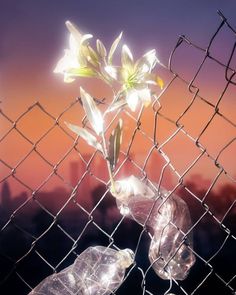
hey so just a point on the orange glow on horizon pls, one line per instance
(56, 96)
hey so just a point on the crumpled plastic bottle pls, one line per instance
(167, 219)
(169, 250)
(98, 270)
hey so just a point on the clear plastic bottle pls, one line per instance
(98, 270)
(170, 249)
(167, 219)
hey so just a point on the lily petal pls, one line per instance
(113, 48)
(132, 99)
(126, 57)
(79, 38)
(74, 45)
(77, 43)
(101, 49)
(67, 62)
(93, 113)
(151, 58)
(145, 96)
(146, 63)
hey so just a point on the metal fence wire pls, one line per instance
(185, 142)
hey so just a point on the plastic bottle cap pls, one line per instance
(126, 257)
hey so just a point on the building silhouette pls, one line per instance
(74, 172)
(6, 196)
(80, 176)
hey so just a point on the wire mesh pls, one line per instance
(188, 129)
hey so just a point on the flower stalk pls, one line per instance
(133, 78)
(106, 156)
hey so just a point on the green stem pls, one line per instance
(108, 162)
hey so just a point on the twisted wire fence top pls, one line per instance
(189, 129)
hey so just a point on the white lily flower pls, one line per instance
(74, 62)
(136, 73)
(134, 76)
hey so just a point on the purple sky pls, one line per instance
(33, 34)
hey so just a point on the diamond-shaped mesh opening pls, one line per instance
(181, 151)
(223, 256)
(31, 167)
(70, 168)
(222, 133)
(33, 274)
(213, 284)
(15, 251)
(211, 87)
(141, 145)
(219, 50)
(50, 251)
(191, 65)
(221, 200)
(34, 123)
(13, 283)
(196, 116)
(202, 174)
(9, 153)
(175, 100)
(55, 145)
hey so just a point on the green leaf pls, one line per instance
(114, 144)
(101, 49)
(113, 48)
(87, 136)
(94, 115)
(82, 72)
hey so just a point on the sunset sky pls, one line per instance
(33, 37)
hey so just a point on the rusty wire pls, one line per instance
(14, 269)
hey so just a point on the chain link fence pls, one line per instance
(54, 197)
